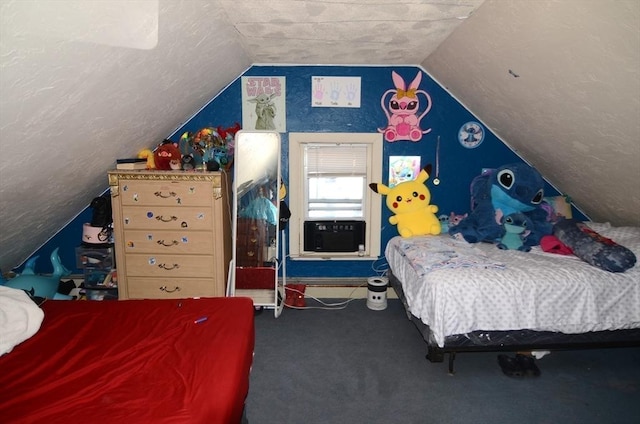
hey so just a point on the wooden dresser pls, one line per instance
(172, 233)
(250, 242)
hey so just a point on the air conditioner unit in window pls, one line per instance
(334, 236)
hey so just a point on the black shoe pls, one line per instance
(528, 364)
(511, 366)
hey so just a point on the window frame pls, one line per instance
(298, 201)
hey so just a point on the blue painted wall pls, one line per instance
(458, 165)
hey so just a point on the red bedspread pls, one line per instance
(134, 361)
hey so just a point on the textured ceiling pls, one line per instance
(83, 82)
(345, 31)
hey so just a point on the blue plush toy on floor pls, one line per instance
(497, 193)
(41, 285)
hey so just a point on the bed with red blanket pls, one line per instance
(134, 361)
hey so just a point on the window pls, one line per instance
(335, 180)
(329, 175)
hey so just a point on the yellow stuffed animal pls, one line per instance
(409, 201)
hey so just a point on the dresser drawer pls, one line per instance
(166, 218)
(171, 288)
(167, 265)
(169, 242)
(165, 193)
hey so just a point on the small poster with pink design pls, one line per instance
(263, 103)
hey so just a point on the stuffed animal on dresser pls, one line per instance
(167, 156)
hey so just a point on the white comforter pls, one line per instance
(455, 287)
(20, 318)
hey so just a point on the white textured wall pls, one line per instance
(77, 92)
(574, 110)
(74, 97)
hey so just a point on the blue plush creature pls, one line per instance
(41, 285)
(497, 193)
(516, 227)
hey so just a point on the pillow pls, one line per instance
(20, 318)
(592, 247)
(558, 207)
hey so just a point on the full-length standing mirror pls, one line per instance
(254, 267)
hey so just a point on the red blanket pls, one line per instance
(135, 361)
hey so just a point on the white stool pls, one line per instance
(377, 293)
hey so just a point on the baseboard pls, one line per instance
(337, 288)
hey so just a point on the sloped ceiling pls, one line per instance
(558, 81)
(82, 83)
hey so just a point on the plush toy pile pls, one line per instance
(209, 148)
(501, 198)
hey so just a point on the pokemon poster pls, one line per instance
(263, 103)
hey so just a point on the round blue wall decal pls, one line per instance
(471, 135)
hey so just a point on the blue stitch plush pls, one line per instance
(516, 227)
(497, 193)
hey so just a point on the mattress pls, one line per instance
(134, 361)
(456, 288)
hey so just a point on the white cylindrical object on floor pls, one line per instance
(377, 293)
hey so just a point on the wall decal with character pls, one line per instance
(403, 109)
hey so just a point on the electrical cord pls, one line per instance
(326, 306)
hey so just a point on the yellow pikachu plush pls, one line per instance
(409, 201)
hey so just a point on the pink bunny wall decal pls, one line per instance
(403, 108)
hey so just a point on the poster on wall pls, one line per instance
(403, 168)
(263, 103)
(335, 92)
(405, 105)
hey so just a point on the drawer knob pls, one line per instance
(163, 219)
(168, 267)
(165, 289)
(165, 196)
(162, 243)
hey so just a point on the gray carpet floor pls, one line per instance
(356, 366)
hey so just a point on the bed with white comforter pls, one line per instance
(457, 288)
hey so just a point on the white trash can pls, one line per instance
(377, 293)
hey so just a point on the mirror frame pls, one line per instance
(246, 173)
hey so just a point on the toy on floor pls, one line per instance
(409, 201)
(496, 193)
(41, 285)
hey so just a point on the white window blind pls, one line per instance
(336, 160)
